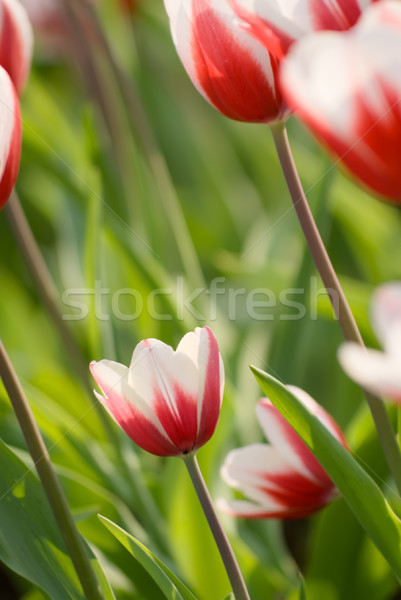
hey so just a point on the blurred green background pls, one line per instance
(138, 231)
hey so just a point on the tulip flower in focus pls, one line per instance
(279, 23)
(282, 479)
(232, 70)
(379, 372)
(16, 42)
(167, 401)
(10, 136)
(346, 87)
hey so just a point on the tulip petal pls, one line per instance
(386, 316)
(262, 474)
(168, 382)
(201, 347)
(228, 67)
(10, 136)
(346, 88)
(283, 437)
(133, 415)
(16, 42)
(269, 510)
(372, 369)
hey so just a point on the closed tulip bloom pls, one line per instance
(379, 371)
(167, 401)
(279, 23)
(232, 70)
(346, 88)
(282, 479)
(16, 42)
(10, 136)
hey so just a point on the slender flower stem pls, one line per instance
(51, 485)
(226, 552)
(335, 292)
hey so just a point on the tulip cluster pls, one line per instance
(335, 63)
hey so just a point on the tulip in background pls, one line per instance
(280, 23)
(346, 88)
(379, 372)
(10, 136)
(167, 401)
(16, 42)
(282, 479)
(232, 70)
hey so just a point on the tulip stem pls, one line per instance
(226, 552)
(51, 485)
(335, 292)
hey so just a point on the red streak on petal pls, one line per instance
(12, 163)
(230, 76)
(338, 16)
(211, 401)
(276, 41)
(181, 424)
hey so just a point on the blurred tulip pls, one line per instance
(167, 401)
(379, 372)
(10, 136)
(279, 23)
(346, 87)
(282, 479)
(16, 42)
(232, 70)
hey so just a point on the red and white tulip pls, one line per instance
(231, 69)
(379, 372)
(279, 23)
(282, 479)
(346, 88)
(167, 401)
(16, 42)
(10, 136)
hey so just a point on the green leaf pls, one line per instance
(30, 543)
(171, 586)
(359, 490)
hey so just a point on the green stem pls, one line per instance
(51, 485)
(226, 552)
(335, 292)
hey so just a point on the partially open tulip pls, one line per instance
(282, 479)
(346, 88)
(279, 23)
(167, 401)
(16, 41)
(379, 372)
(10, 136)
(231, 69)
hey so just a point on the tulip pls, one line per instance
(279, 23)
(10, 136)
(167, 401)
(16, 42)
(282, 479)
(346, 88)
(232, 70)
(379, 372)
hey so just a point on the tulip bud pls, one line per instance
(167, 401)
(346, 88)
(232, 70)
(16, 42)
(281, 480)
(10, 136)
